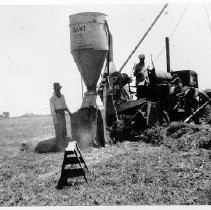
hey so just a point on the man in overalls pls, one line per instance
(58, 107)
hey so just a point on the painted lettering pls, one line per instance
(78, 29)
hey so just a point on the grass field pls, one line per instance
(128, 173)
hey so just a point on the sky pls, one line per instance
(35, 47)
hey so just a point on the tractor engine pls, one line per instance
(161, 100)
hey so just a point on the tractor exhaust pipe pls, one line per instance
(168, 55)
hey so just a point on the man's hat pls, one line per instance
(57, 85)
(141, 56)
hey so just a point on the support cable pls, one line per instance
(82, 88)
(208, 16)
(175, 28)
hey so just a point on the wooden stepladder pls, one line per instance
(73, 165)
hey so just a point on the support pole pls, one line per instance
(168, 55)
(153, 23)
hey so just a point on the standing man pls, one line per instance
(58, 107)
(202, 98)
(191, 104)
(140, 71)
(142, 79)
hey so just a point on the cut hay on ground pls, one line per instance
(128, 173)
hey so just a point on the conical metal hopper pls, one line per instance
(90, 64)
(89, 46)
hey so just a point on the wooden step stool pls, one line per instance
(72, 155)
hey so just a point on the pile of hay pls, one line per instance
(179, 136)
